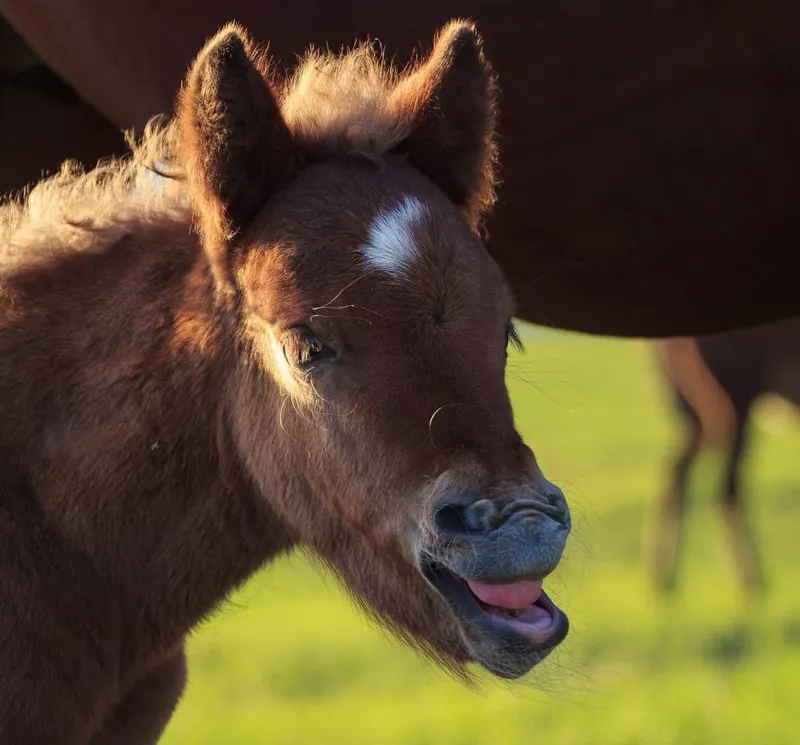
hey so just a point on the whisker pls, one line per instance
(448, 406)
(316, 392)
(302, 415)
(348, 285)
(347, 307)
(285, 431)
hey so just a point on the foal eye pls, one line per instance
(303, 348)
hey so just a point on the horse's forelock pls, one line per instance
(340, 104)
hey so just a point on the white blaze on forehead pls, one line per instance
(391, 247)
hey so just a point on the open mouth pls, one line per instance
(522, 606)
(499, 619)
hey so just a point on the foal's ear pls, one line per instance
(448, 106)
(235, 145)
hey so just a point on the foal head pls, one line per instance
(339, 211)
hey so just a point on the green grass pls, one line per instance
(289, 660)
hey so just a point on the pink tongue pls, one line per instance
(514, 596)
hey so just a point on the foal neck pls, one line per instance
(119, 435)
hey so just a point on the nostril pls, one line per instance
(449, 518)
(480, 516)
(552, 493)
(558, 504)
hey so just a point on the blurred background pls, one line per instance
(680, 578)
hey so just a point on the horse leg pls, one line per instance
(744, 545)
(673, 505)
(142, 715)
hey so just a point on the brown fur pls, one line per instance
(159, 437)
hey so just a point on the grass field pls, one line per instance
(289, 661)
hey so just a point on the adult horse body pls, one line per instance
(650, 179)
(321, 364)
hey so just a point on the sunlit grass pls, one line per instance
(291, 662)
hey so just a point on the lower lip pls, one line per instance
(540, 625)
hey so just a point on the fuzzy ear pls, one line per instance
(235, 145)
(448, 105)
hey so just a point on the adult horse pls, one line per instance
(650, 179)
(321, 364)
(715, 382)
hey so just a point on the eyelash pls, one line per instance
(513, 338)
(304, 348)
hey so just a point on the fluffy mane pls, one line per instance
(75, 210)
(333, 104)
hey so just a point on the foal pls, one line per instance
(301, 342)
